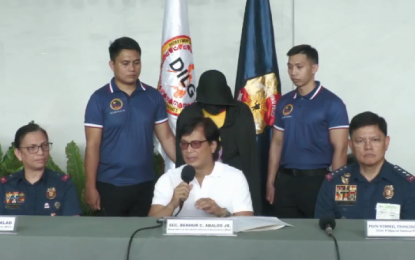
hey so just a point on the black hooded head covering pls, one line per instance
(213, 93)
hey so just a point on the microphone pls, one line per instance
(188, 174)
(328, 224)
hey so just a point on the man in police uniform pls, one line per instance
(36, 190)
(310, 135)
(120, 119)
(370, 188)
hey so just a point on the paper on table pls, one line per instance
(250, 224)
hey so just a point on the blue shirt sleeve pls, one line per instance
(337, 115)
(70, 204)
(94, 113)
(408, 210)
(325, 204)
(161, 113)
(278, 122)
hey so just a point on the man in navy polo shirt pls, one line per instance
(310, 135)
(120, 119)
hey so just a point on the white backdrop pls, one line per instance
(54, 54)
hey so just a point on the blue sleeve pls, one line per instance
(70, 204)
(325, 202)
(94, 113)
(337, 115)
(161, 112)
(278, 122)
(408, 210)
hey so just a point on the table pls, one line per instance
(102, 238)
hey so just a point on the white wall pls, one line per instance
(367, 58)
(53, 55)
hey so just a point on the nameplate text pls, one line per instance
(7, 224)
(390, 229)
(199, 227)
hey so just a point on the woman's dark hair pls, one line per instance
(24, 130)
(210, 130)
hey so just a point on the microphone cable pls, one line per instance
(135, 232)
(336, 246)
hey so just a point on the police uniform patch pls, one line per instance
(388, 192)
(51, 193)
(3, 180)
(329, 176)
(66, 177)
(57, 205)
(346, 194)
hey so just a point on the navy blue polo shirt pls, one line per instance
(345, 193)
(53, 195)
(127, 122)
(306, 122)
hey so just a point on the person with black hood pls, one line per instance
(237, 129)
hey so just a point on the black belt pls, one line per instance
(299, 172)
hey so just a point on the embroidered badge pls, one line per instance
(57, 205)
(346, 194)
(388, 192)
(47, 205)
(3, 180)
(51, 193)
(329, 177)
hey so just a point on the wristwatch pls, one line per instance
(227, 214)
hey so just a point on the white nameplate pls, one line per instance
(390, 229)
(7, 224)
(199, 226)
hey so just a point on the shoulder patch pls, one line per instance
(404, 174)
(66, 177)
(3, 180)
(337, 173)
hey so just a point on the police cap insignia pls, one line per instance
(66, 177)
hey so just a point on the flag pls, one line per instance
(176, 81)
(257, 80)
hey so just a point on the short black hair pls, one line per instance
(24, 130)
(123, 43)
(210, 129)
(310, 52)
(368, 119)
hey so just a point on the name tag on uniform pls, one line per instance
(346, 194)
(199, 227)
(7, 224)
(388, 211)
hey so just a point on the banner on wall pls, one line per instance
(177, 81)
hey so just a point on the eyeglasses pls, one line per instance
(35, 148)
(193, 144)
(375, 142)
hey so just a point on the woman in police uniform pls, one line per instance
(36, 190)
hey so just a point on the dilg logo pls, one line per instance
(116, 104)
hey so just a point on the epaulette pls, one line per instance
(337, 173)
(404, 174)
(60, 176)
(10, 177)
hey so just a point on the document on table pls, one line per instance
(250, 224)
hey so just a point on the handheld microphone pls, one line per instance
(188, 174)
(328, 224)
